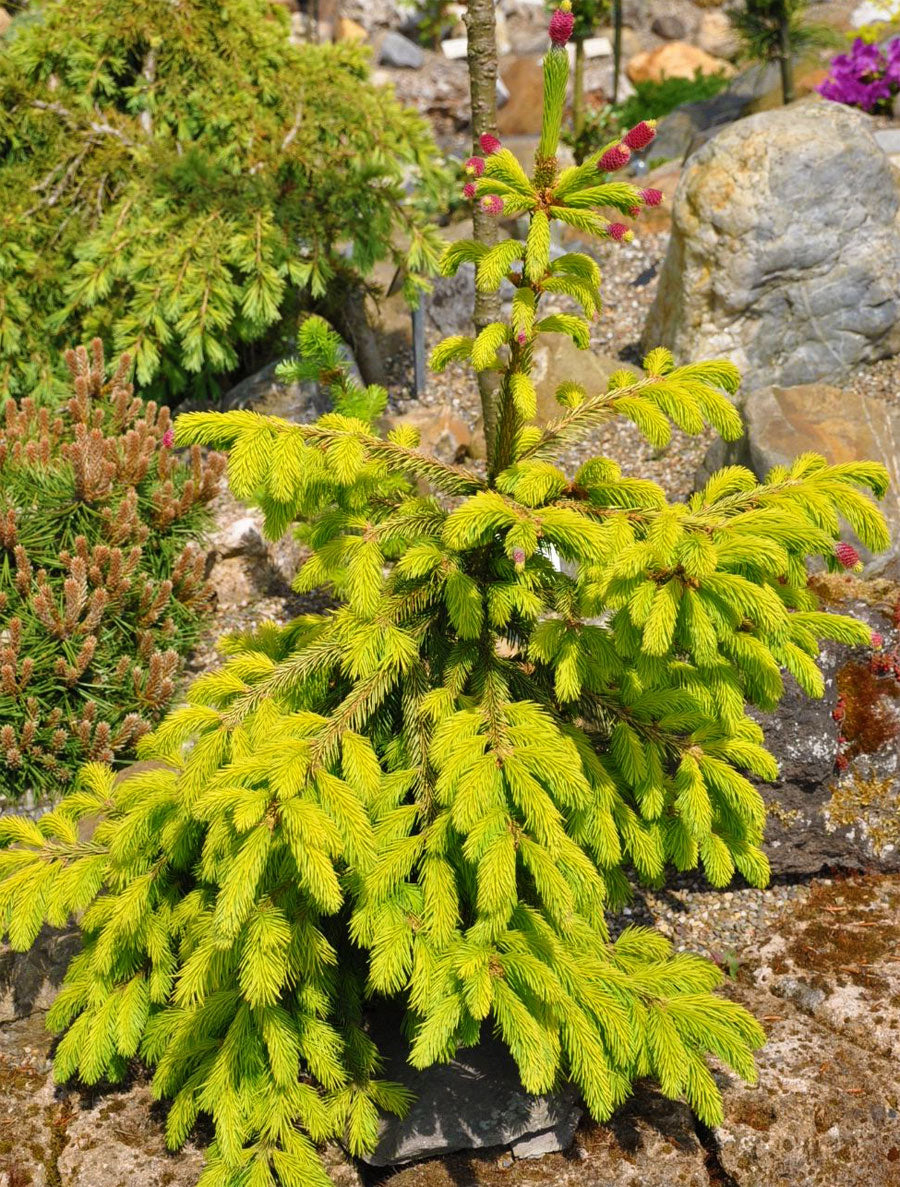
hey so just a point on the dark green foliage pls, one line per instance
(101, 586)
(182, 181)
(433, 20)
(778, 31)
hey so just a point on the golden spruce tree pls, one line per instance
(531, 683)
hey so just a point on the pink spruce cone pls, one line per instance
(489, 144)
(470, 190)
(474, 166)
(634, 211)
(651, 197)
(168, 438)
(620, 233)
(521, 337)
(640, 135)
(492, 204)
(877, 640)
(518, 556)
(614, 158)
(561, 24)
(846, 555)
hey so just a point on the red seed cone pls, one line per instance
(847, 555)
(640, 135)
(614, 158)
(620, 232)
(561, 25)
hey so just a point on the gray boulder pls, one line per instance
(785, 249)
(268, 395)
(401, 53)
(689, 126)
(473, 1102)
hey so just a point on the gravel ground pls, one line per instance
(879, 380)
(719, 924)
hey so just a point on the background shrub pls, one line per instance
(101, 586)
(651, 100)
(180, 180)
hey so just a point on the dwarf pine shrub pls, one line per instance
(101, 584)
(182, 181)
(436, 790)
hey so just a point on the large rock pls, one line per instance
(521, 114)
(785, 249)
(442, 431)
(473, 1102)
(669, 27)
(650, 1142)
(781, 423)
(268, 395)
(29, 981)
(715, 35)
(677, 59)
(401, 53)
(836, 803)
(557, 359)
(242, 565)
(824, 1111)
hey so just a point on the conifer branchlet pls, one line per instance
(433, 791)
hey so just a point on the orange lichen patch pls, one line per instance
(871, 708)
(844, 931)
(837, 589)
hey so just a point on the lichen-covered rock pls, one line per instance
(819, 814)
(785, 249)
(823, 1114)
(118, 1140)
(835, 959)
(826, 1110)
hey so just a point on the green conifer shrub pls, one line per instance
(435, 791)
(181, 181)
(102, 585)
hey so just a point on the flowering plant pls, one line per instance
(867, 77)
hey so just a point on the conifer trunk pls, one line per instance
(785, 55)
(578, 91)
(617, 48)
(482, 31)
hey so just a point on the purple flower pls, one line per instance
(867, 77)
